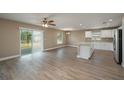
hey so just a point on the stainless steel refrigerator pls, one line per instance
(117, 44)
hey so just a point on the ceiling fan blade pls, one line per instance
(43, 21)
(50, 21)
(53, 24)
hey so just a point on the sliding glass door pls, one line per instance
(37, 41)
(26, 41)
(31, 41)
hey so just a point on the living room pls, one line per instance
(32, 38)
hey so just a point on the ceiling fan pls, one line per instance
(45, 22)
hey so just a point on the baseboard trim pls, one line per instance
(72, 45)
(54, 48)
(59, 47)
(10, 57)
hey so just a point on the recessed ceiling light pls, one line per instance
(80, 24)
(110, 20)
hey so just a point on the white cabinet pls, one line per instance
(101, 34)
(88, 34)
(107, 33)
(103, 46)
(85, 51)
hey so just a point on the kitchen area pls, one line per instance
(106, 40)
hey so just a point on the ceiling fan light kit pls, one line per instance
(44, 25)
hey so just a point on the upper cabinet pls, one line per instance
(107, 33)
(88, 34)
(101, 34)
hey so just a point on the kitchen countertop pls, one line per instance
(85, 43)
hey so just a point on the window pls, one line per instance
(60, 38)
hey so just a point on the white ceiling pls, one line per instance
(69, 21)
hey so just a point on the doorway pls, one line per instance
(31, 41)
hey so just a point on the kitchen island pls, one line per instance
(85, 50)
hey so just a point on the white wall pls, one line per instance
(123, 39)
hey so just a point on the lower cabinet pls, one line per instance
(103, 46)
(85, 51)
